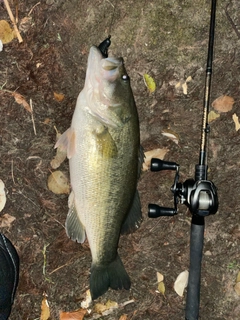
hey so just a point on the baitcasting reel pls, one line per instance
(199, 195)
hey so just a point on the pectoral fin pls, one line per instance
(67, 142)
(134, 217)
(74, 227)
(105, 143)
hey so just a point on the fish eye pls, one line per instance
(125, 77)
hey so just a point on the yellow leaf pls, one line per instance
(20, 100)
(149, 82)
(236, 121)
(6, 33)
(73, 315)
(45, 311)
(155, 153)
(58, 183)
(212, 116)
(223, 104)
(58, 96)
(161, 287)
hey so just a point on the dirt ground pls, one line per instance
(168, 40)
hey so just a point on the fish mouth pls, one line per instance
(100, 84)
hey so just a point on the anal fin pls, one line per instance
(134, 216)
(74, 227)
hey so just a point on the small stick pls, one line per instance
(34, 128)
(13, 21)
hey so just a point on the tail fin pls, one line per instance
(112, 276)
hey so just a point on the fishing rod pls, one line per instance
(199, 194)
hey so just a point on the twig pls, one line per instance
(231, 21)
(33, 8)
(34, 128)
(12, 173)
(13, 21)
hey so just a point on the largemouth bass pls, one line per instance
(105, 158)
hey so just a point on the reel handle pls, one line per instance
(155, 211)
(159, 165)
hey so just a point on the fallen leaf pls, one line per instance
(73, 315)
(160, 277)
(45, 311)
(3, 198)
(155, 153)
(149, 82)
(236, 121)
(58, 96)
(212, 116)
(237, 288)
(223, 103)
(181, 283)
(87, 301)
(58, 183)
(161, 287)
(20, 100)
(171, 135)
(123, 317)
(6, 220)
(6, 32)
(238, 277)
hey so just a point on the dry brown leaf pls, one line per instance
(6, 32)
(3, 198)
(181, 283)
(6, 220)
(20, 100)
(236, 121)
(213, 116)
(171, 135)
(223, 103)
(58, 183)
(45, 311)
(74, 315)
(87, 301)
(160, 277)
(123, 317)
(155, 153)
(102, 308)
(58, 96)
